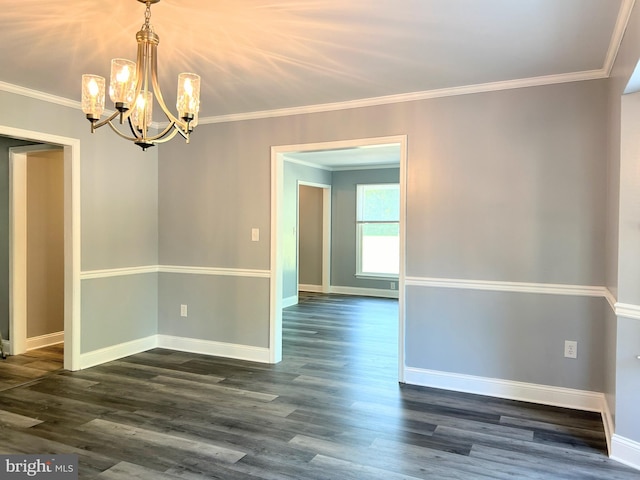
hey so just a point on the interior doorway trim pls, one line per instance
(17, 282)
(276, 266)
(326, 233)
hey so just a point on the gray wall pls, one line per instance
(225, 309)
(507, 186)
(119, 221)
(343, 225)
(310, 235)
(511, 336)
(5, 144)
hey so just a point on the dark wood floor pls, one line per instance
(332, 409)
(21, 369)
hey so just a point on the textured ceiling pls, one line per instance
(261, 55)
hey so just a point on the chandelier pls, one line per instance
(132, 88)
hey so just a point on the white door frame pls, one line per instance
(326, 233)
(276, 267)
(17, 241)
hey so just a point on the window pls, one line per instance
(378, 230)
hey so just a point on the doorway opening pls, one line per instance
(280, 233)
(314, 237)
(37, 246)
(18, 274)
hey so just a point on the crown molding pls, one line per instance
(618, 33)
(411, 97)
(38, 95)
(336, 106)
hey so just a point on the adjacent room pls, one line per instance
(321, 239)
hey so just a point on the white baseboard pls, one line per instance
(45, 340)
(626, 451)
(108, 354)
(609, 425)
(290, 301)
(365, 292)
(310, 288)
(493, 387)
(218, 349)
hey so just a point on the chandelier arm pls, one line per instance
(158, 92)
(126, 137)
(168, 136)
(185, 134)
(97, 125)
(160, 135)
(133, 130)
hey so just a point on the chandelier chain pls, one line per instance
(147, 18)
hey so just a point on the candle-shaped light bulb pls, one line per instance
(93, 96)
(142, 114)
(188, 103)
(122, 85)
(93, 88)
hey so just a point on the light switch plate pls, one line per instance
(255, 234)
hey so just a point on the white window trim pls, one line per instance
(359, 224)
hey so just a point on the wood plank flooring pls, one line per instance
(20, 369)
(332, 409)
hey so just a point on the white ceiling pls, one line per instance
(369, 156)
(265, 55)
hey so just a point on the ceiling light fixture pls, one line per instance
(132, 88)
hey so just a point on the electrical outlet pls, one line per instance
(392, 285)
(183, 310)
(570, 349)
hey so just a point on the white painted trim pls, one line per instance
(402, 273)
(609, 426)
(218, 349)
(290, 301)
(183, 344)
(38, 95)
(72, 229)
(118, 272)
(618, 34)
(374, 101)
(626, 451)
(144, 269)
(229, 272)
(611, 299)
(276, 303)
(339, 168)
(277, 182)
(45, 340)
(364, 292)
(18, 250)
(115, 352)
(491, 285)
(310, 288)
(494, 387)
(410, 97)
(627, 310)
